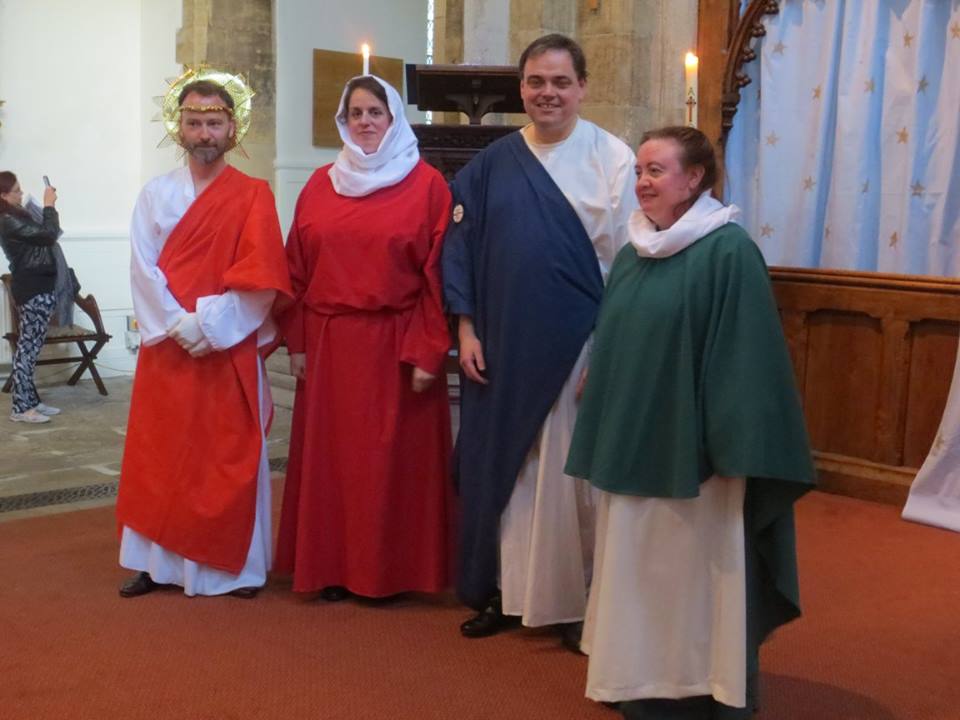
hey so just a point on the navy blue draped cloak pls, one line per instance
(517, 260)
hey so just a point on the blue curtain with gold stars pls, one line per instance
(845, 149)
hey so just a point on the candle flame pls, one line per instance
(365, 49)
(691, 60)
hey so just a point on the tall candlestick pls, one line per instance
(691, 65)
(365, 49)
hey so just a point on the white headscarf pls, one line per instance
(355, 174)
(703, 217)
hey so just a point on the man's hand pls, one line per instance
(298, 365)
(188, 335)
(471, 351)
(421, 380)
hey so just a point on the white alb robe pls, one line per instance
(667, 613)
(547, 528)
(935, 493)
(225, 320)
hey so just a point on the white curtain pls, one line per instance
(845, 153)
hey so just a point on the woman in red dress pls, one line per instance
(367, 500)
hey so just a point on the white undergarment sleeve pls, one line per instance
(229, 318)
(159, 208)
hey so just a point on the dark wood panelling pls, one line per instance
(874, 357)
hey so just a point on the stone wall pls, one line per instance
(634, 49)
(237, 35)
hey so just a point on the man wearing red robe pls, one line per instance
(207, 261)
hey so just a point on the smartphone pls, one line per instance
(46, 181)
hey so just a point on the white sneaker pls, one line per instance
(47, 409)
(30, 416)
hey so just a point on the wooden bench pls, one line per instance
(96, 338)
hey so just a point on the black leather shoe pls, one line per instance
(570, 634)
(139, 584)
(245, 593)
(488, 621)
(334, 593)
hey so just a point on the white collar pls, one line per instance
(356, 174)
(703, 217)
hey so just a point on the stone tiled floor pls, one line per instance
(74, 460)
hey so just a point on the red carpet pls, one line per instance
(880, 639)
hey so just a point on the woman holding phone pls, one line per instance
(28, 245)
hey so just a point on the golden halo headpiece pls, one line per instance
(235, 84)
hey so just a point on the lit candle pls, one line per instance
(365, 49)
(691, 64)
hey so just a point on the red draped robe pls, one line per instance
(189, 473)
(367, 497)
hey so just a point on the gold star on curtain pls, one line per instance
(772, 139)
(902, 136)
(955, 31)
(808, 183)
(894, 239)
(923, 84)
(779, 48)
(816, 92)
(917, 189)
(866, 186)
(907, 39)
(869, 86)
(766, 230)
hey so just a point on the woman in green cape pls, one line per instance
(691, 427)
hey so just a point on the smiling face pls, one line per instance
(206, 135)
(368, 119)
(665, 189)
(551, 93)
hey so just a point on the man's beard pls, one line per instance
(206, 154)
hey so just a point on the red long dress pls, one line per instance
(368, 498)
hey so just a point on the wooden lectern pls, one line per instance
(474, 90)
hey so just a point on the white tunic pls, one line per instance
(547, 528)
(225, 320)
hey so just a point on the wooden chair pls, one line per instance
(98, 337)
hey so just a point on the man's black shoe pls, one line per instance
(245, 593)
(139, 584)
(488, 621)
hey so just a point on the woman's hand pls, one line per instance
(298, 365)
(49, 196)
(471, 351)
(421, 380)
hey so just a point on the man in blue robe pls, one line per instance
(538, 218)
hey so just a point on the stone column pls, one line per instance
(635, 51)
(237, 35)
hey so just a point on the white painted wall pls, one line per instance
(78, 78)
(393, 29)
